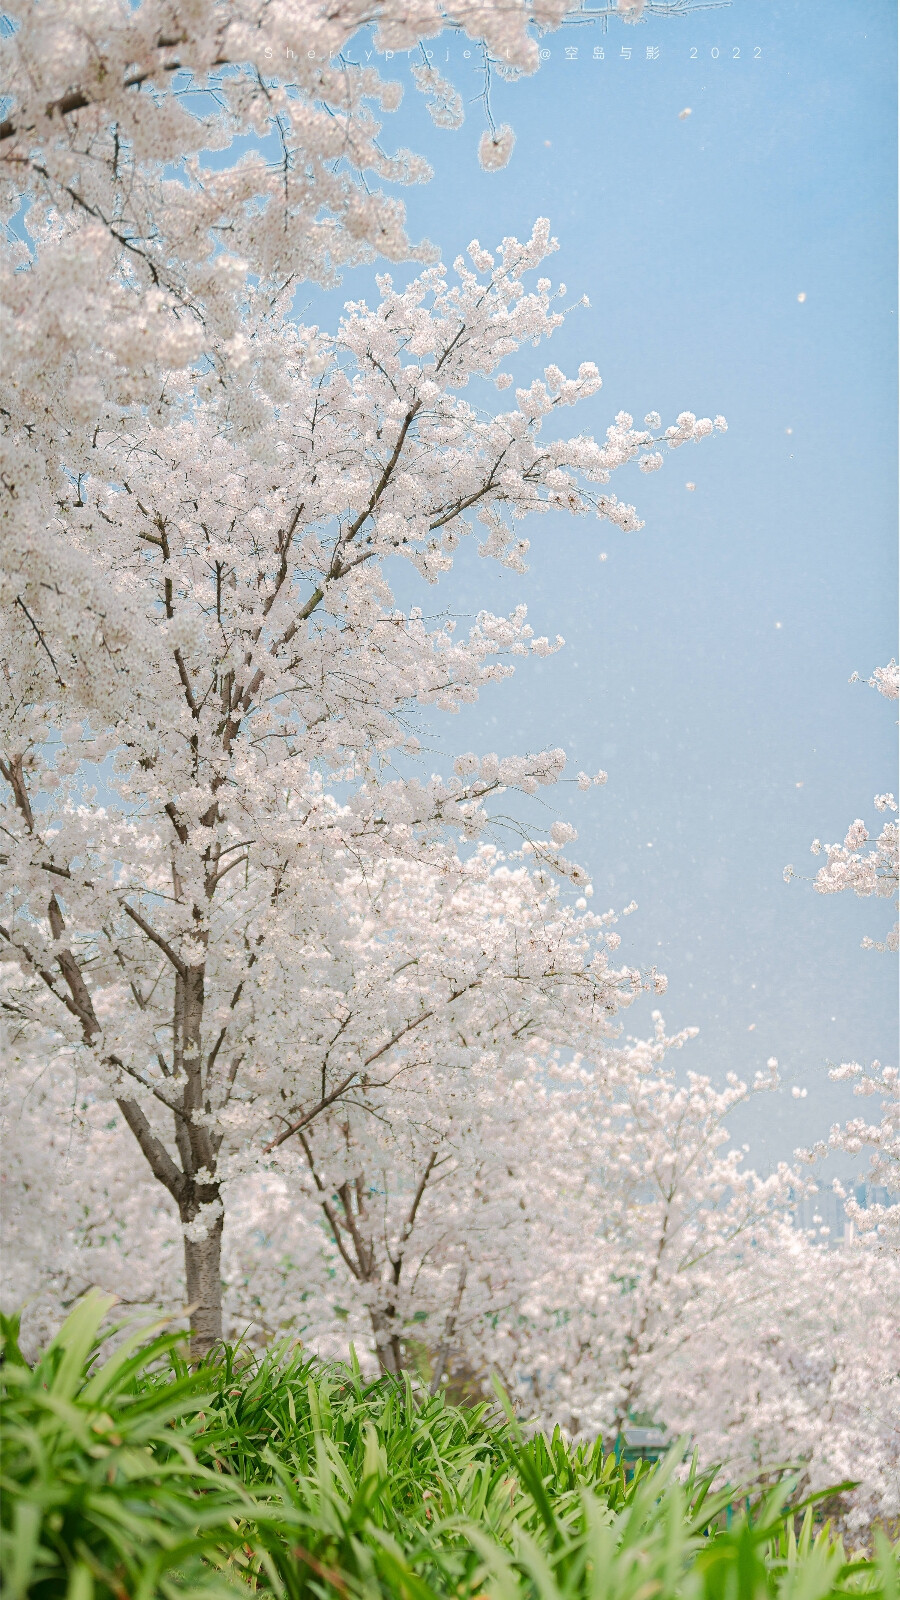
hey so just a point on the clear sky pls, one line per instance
(708, 657)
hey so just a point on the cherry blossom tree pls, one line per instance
(799, 1368)
(454, 974)
(393, 1164)
(211, 625)
(649, 1273)
(198, 499)
(648, 1236)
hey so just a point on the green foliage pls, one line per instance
(101, 1491)
(138, 1476)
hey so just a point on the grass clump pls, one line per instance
(101, 1490)
(136, 1476)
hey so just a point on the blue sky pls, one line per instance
(708, 657)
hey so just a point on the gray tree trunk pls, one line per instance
(387, 1341)
(203, 1271)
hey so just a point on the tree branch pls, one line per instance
(323, 1105)
(42, 641)
(397, 1261)
(13, 771)
(329, 1210)
(329, 1099)
(160, 1162)
(156, 938)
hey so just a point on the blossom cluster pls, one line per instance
(847, 866)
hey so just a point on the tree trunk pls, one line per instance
(202, 1266)
(387, 1342)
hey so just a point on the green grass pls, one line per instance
(131, 1475)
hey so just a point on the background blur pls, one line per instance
(707, 658)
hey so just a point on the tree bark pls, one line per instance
(203, 1272)
(387, 1342)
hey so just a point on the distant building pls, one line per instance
(642, 1444)
(823, 1213)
